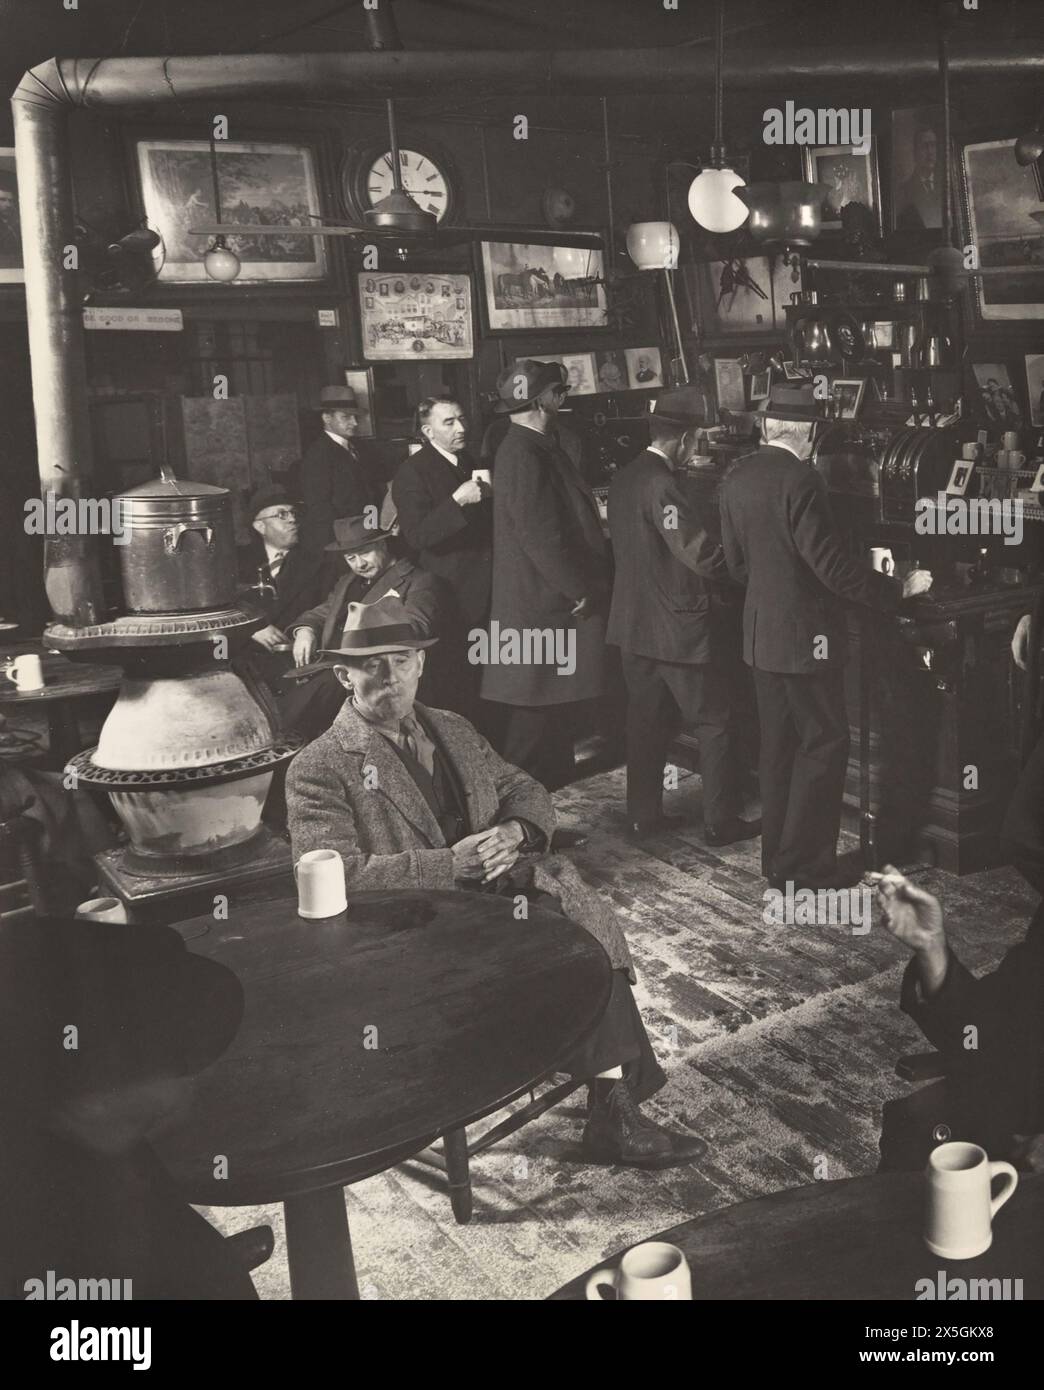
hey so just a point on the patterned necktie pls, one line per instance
(276, 562)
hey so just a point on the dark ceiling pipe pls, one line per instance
(46, 94)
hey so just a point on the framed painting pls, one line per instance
(258, 181)
(1004, 219)
(1035, 386)
(850, 173)
(11, 272)
(746, 296)
(408, 316)
(917, 154)
(728, 380)
(542, 288)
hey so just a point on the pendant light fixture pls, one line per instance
(712, 202)
(220, 261)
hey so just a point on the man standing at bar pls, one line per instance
(446, 517)
(550, 575)
(781, 540)
(335, 479)
(668, 615)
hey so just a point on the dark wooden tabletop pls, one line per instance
(469, 1005)
(64, 679)
(859, 1238)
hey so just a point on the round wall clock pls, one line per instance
(426, 176)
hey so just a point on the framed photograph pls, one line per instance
(761, 385)
(361, 382)
(744, 296)
(1035, 386)
(644, 368)
(849, 396)
(793, 372)
(580, 373)
(998, 395)
(960, 477)
(881, 335)
(259, 181)
(999, 199)
(611, 371)
(917, 155)
(408, 316)
(850, 175)
(1037, 484)
(11, 272)
(542, 288)
(728, 379)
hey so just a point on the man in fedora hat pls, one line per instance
(550, 573)
(670, 614)
(373, 571)
(336, 480)
(413, 797)
(282, 577)
(781, 541)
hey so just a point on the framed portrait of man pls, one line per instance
(917, 155)
(850, 174)
(11, 272)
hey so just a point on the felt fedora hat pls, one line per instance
(682, 405)
(267, 495)
(374, 629)
(518, 386)
(338, 398)
(352, 533)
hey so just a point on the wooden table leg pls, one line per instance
(63, 732)
(455, 1145)
(319, 1246)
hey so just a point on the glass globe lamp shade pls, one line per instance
(653, 245)
(220, 263)
(712, 202)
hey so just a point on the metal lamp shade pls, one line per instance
(788, 213)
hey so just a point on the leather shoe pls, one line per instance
(661, 825)
(618, 1132)
(732, 832)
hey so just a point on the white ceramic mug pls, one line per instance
(102, 910)
(651, 1272)
(882, 560)
(26, 672)
(482, 475)
(960, 1206)
(320, 884)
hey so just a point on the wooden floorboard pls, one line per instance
(780, 1045)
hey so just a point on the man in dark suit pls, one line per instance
(550, 577)
(781, 540)
(993, 1093)
(373, 572)
(280, 577)
(336, 480)
(668, 614)
(446, 517)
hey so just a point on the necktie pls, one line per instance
(406, 729)
(276, 562)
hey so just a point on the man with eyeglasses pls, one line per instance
(279, 577)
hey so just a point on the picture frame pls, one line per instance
(743, 312)
(960, 477)
(360, 379)
(761, 385)
(415, 316)
(1037, 484)
(793, 371)
(848, 392)
(851, 176)
(644, 368)
(541, 289)
(580, 373)
(611, 371)
(11, 268)
(998, 200)
(729, 385)
(259, 181)
(1035, 387)
(916, 173)
(1000, 403)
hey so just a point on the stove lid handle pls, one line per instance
(173, 534)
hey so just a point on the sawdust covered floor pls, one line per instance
(780, 1044)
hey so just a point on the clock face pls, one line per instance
(421, 177)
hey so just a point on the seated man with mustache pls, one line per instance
(413, 797)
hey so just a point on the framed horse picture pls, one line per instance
(537, 289)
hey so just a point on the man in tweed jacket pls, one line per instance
(413, 797)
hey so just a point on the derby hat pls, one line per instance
(682, 405)
(374, 629)
(519, 386)
(267, 495)
(338, 397)
(793, 403)
(352, 533)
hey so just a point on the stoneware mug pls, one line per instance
(882, 559)
(653, 1272)
(960, 1206)
(101, 910)
(320, 884)
(482, 475)
(26, 672)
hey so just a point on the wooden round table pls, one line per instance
(365, 1037)
(859, 1238)
(65, 682)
